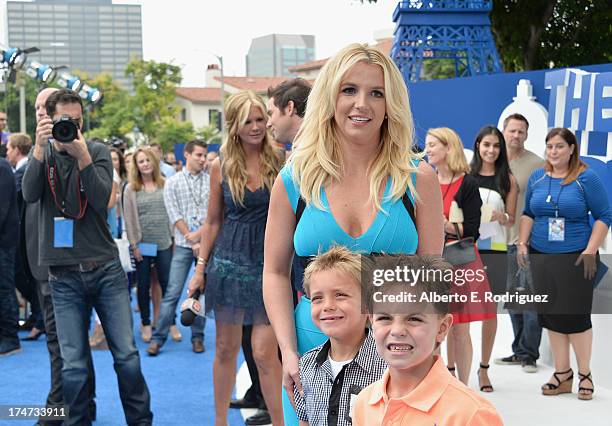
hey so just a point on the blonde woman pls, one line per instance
(232, 245)
(460, 191)
(147, 225)
(352, 180)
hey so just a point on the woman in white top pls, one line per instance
(499, 192)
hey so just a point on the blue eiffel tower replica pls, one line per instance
(458, 30)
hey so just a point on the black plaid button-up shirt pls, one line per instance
(327, 400)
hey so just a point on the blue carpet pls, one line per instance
(179, 380)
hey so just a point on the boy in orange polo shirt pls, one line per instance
(408, 326)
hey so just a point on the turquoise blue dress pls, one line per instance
(393, 232)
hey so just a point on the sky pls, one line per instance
(191, 32)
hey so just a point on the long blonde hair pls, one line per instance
(455, 159)
(237, 108)
(135, 177)
(317, 158)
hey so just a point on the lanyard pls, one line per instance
(196, 200)
(549, 197)
(57, 192)
(448, 188)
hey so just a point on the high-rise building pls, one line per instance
(272, 55)
(89, 35)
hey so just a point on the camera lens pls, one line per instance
(64, 131)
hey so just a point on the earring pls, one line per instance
(386, 116)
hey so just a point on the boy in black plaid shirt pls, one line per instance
(334, 373)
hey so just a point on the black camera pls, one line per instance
(116, 142)
(65, 129)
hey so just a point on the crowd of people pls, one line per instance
(284, 245)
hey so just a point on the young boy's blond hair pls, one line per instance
(337, 258)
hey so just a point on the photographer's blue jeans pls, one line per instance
(182, 260)
(74, 295)
(527, 330)
(9, 313)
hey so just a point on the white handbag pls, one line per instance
(123, 245)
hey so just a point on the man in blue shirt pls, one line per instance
(166, 169)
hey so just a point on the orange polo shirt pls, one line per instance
(440, 399)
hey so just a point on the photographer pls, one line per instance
(73, 181)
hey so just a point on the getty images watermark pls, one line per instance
(475, 278)
(404, 280)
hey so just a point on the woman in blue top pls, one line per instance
(556, 226)
(355, 170)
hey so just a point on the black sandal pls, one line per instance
(564, 386)
(585, 396)
(484, 388)
(452, 371)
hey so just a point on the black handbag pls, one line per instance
(461, 251)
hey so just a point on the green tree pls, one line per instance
(580, 33)
(210, 134)
(437, 69)
(9, 103)
(535, 34)
(152, 104)
(150, 107)
(172, 131)
(112, 116)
